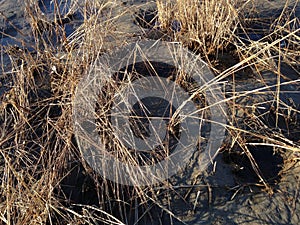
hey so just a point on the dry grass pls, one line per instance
(37, 145)
(38, 150)
(206, 26)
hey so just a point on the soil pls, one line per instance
(229, 192)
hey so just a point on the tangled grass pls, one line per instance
(39, 156)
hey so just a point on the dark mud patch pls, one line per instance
(270, 164)
(146, 18)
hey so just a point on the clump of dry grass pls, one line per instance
(206, 26)
(280, 42)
